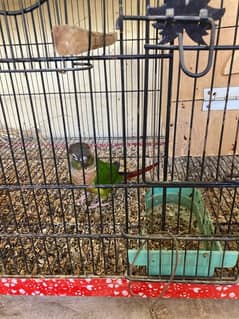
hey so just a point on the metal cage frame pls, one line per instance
(125, 101)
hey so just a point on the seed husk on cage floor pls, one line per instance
(48, 212)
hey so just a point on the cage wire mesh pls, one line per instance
(133, 104)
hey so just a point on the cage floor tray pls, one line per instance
(198, 262)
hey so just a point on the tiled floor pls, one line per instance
(107, 308)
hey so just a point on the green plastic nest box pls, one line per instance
(202, 262)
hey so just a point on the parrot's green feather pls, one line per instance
(75, 164)
(106, 175)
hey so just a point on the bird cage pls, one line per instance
(119, 152)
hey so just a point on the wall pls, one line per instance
(221, 125)
(48, 101)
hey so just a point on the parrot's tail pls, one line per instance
(130, 175)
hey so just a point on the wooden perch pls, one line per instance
(73, 40)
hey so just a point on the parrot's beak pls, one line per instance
(84, 164)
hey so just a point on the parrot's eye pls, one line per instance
(74, 157)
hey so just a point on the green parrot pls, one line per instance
(82, 159)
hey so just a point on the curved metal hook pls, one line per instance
(24, 10)
(210, 55)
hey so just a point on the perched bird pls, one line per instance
(85, 170)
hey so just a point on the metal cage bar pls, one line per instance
(140, 115)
